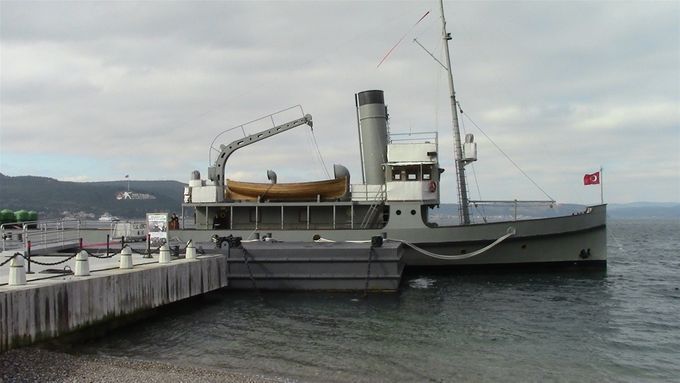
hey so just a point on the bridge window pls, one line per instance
(407, 173)
(417, 172)
(412, 172)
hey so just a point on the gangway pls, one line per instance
(40, 237)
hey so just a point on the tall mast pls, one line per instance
(463, 211)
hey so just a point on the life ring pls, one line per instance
(432, 186)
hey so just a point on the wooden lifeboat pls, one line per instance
(300, 191)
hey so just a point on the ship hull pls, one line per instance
(577, 240)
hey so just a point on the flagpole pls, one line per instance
(601, 187)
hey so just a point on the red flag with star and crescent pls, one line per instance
(592, 179)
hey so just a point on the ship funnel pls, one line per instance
(373, 134)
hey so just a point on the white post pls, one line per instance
(126, 258)
(191, 250)
(601, 187)
(164, 256)
(17, 273)
(82, 264)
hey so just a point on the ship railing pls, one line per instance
(273, 118)
(414, 137)
(286, 216)
(515, 203)
(363, 192)
(36, 235)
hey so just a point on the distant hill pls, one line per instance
(52, 198)
(644, 210)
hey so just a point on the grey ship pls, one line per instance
(401, 179)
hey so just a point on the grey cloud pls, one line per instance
(562, 86)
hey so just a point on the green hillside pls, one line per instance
(54, 199)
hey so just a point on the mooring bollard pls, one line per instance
(191, 250)
(148, 246)
(28, 257)
(126, 258)
(17, 273)
(164, 256)
(82, 264)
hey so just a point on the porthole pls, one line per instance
(413, 212)
(398, 212)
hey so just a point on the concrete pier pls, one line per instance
(49, 308)
(40, 309)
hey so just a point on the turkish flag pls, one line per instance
(591, 179)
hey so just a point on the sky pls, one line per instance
(93, 91)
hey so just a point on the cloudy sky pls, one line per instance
(96, 90)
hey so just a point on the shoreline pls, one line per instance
(33, 364)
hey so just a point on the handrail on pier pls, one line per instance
(47, 233)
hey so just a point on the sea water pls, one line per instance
(619, 324)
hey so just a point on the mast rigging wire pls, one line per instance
(318, 152)
(401, 39)
(506, 156)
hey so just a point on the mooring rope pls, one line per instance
(326, 240)
(448, 257)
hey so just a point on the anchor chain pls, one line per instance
(10, 258)
(31, 260)
(368, 271)
(250, 273)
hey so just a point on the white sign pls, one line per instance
(157, 224)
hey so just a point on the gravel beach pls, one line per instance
(39, 365)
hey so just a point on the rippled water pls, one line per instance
(622, 324)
